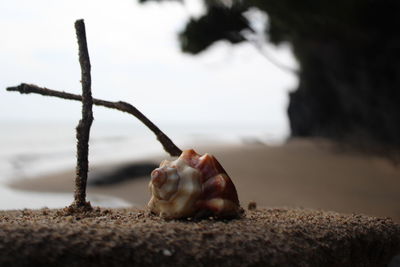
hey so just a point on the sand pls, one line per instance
(307, 173)
(131, 237)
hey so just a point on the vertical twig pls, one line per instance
(83, 128)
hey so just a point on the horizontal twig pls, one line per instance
(165, 141)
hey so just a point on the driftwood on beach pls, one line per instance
(83, 128)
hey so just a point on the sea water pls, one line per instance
(31, 149)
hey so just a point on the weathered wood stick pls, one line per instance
(83, 128)
(165, 141)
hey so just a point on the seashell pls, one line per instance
(193, 185)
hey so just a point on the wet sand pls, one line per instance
(131, 237)
(301, 173)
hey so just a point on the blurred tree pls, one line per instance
(347, 51)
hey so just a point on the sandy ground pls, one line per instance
(130, 237)
(301, 173)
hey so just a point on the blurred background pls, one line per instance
(299, 101)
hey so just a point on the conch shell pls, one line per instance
(192, 186)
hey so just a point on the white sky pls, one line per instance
(135, 57)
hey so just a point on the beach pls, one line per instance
(306, 202)
(301, 173)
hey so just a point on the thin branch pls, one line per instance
(256, 38)
(272, 60)
(83, 128)
(165, 141)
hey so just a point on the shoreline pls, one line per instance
(310, 173)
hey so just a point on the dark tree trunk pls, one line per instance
(348, 90)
